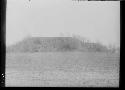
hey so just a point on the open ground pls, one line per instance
(65, 69)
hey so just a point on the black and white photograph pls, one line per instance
(62, 43)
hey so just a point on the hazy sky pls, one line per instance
(96, 20)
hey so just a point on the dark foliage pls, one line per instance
(48, 44)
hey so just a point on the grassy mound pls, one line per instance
(50, 44)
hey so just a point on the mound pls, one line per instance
(48, 44)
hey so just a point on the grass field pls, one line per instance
(62, 69)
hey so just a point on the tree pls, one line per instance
(68, 44)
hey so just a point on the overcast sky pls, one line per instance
(96, 20)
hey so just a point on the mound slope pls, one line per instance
(48, 44)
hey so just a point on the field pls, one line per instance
(62, 69)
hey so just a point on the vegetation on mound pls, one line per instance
(48, 44)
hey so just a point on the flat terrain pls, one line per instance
(65, 69)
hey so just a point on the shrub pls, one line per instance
(68, 44)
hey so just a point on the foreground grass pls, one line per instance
(62, 69)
